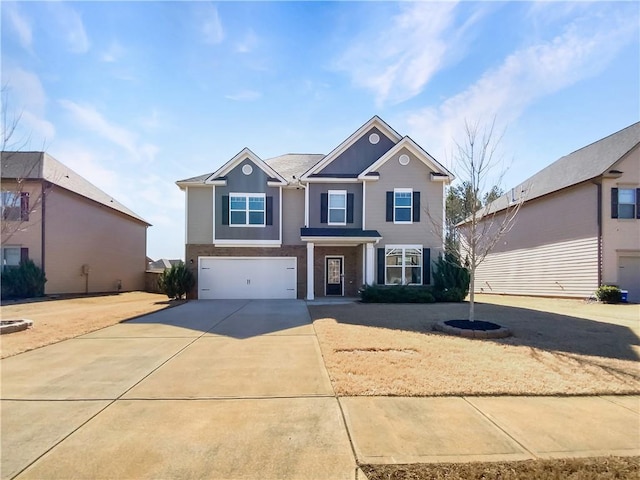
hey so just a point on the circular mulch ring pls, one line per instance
(475, 329)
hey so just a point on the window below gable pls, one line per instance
(247, 209)
(337, 207)
(402, 205)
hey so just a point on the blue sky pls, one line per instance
(136, 95)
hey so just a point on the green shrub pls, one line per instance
(25, 281)
(176, 281)
(396, 294)
(450, 279)
(609, 294)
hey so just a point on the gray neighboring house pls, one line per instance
(578, 228)
(83, 239)
(314, 225)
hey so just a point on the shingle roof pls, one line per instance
(580, 166)
(36, 165)
(294, 164)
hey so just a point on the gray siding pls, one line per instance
(415, 175)
(256, 182)
(199, 215)
(359, 156)
(292, 215)
(315, 192)
(551, 250)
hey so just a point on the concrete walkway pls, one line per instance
(238, 389)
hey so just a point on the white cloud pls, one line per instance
(244, 96)
(68, 23)
(395, 59)
(26, 103)
(582, 50)
(90, 118)
(113, 53)
(210, 24)
(19, 23)
(248, 43)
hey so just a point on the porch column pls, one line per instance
(310, 271)
(370, 256)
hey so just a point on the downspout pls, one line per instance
(43, 197)
(599, 189)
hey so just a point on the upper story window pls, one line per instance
(625, 203)
(337, 207)
(247, 209)
(15, 205)
(403, 206)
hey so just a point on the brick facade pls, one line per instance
(352, 268)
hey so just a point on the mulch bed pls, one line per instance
(600, 468)
(475, 325)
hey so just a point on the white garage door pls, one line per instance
(247, 277)
(629, 277)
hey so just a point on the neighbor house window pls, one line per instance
(402, 205)
(403, 265)
(626, 203)
(247, 209)
(337, 207)
(10, 257)
(15, 205)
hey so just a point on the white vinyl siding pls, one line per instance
(564, 269)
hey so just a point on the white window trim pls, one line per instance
(10, 247)
(404, 247)
(633, 204)
(403, 190)
(336, 192)
(247, 210)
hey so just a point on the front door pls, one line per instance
(334, 275)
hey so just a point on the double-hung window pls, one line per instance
(402, 205)
(247, 209)
(626, 203)
(403, 265)
(337, 207)
(10, 257)
(14, 205)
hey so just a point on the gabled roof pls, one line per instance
(41, 165)
(292, 165)
(414, 148)
(587, 163)
(336, 152)
(219, 175)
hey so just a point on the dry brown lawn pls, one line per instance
(57, 320)
(598, 468)
(559, 347)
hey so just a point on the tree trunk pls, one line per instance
(472, 296)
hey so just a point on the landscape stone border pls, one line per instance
(10, 326)
(501, 332)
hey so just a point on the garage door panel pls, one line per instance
(247, 277)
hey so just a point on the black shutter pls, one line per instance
(389, 206)
(416, 206)
(381, 266)
(324, 207)
(637, 202)
(269, 211)
(24, 254)
(350, 199)
(225, 210)
(24, 206)
(614, 203)
(426, 266)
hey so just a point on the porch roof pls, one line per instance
(343, 235)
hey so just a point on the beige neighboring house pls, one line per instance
(83, 239)
(578, 228)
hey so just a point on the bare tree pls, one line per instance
(476, 160)
(17, 201)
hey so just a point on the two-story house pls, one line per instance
(578, 228)
(303, 226)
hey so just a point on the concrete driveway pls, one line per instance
(238, 390)
(210, 389)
